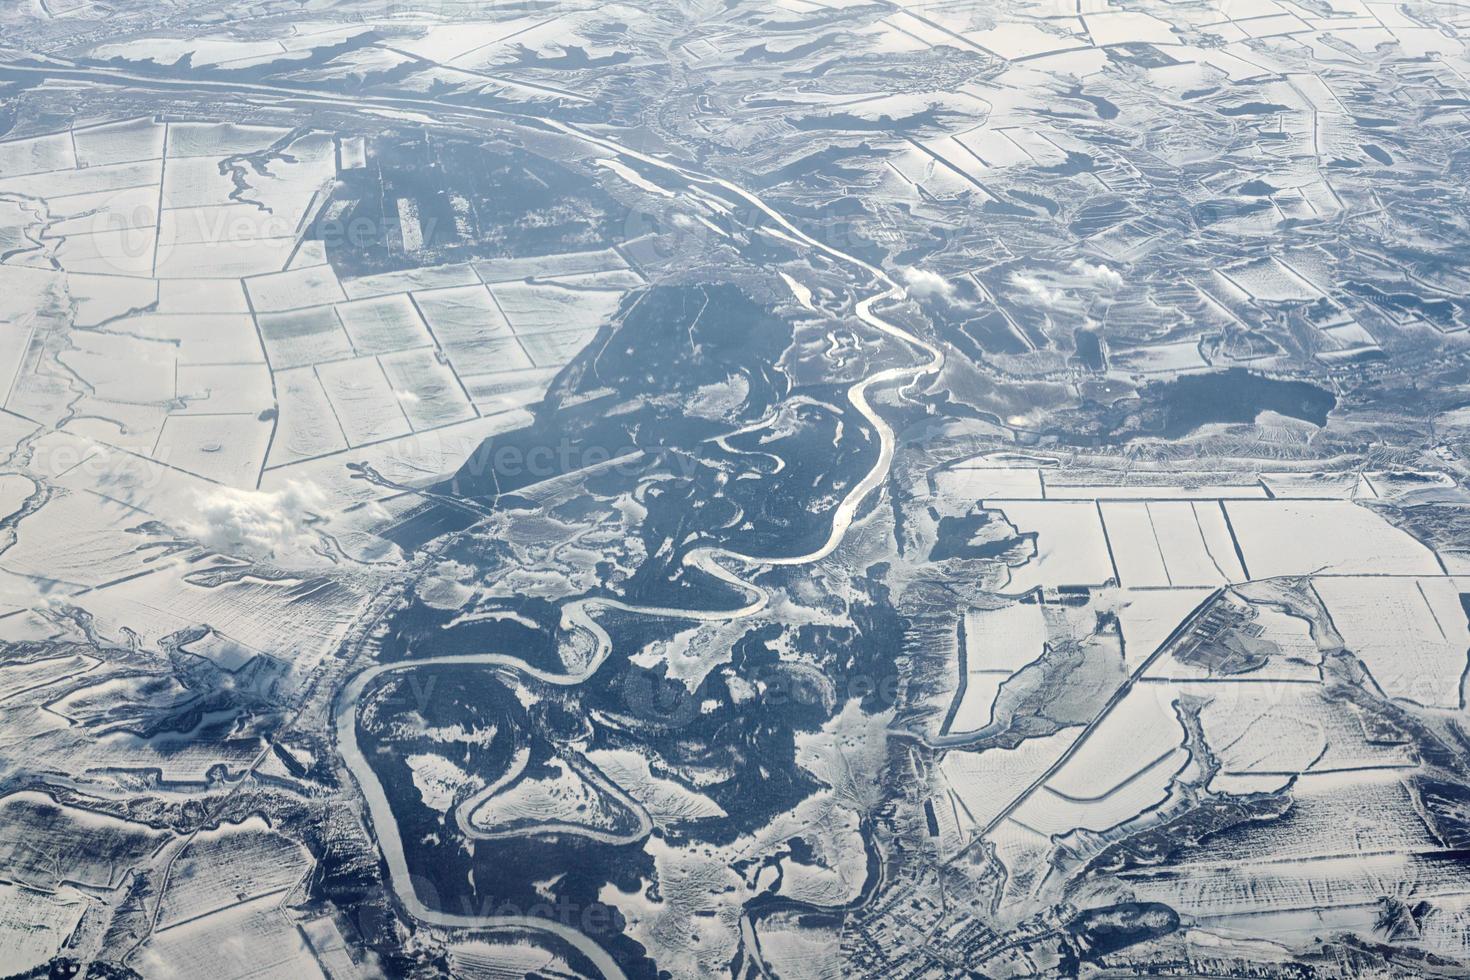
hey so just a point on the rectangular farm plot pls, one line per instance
(1180, 356)
(303, 337)
(508, 390)
(549, 266)
(201, 296)
(223, 260)
(122, 368)
(89, 180)
(544, 307)
(1338, 537)
(294, 290)
(99, 298)
(1411, 633)
(1196, 541)
(1059, 491)
(115, 252)
(37, 155)
(252, 939)
(471, 330)
(987, 483)
(1131, 532)
(1171, 543)
(1071, 548)
(987, 782)
(1004, 639)
(119, 142)
(421, 279)
(427, 389)
(225, 388)
(82, 214)
(1345, 486)
(222, 866)
(365, 404)
(216, 223)
(36, 924)
(384, 323)
(196, 182)
(222, 338)
(218, 140)
(228, 449)
(307, 426)
(555, 349)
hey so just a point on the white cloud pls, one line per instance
(257, 523)
(1099, 275)
(923, 284)
(1037, 290)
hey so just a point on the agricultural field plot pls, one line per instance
(569, 265)
(1338, 537)
(1071, 544)
(989, 483)
(294, 289)
(427, 389)
(45, 844)
(1149, 617)
(985, 783)
(225, 449)
(364, 403)
(169, 228)
(1344, 486)
(36, 924)
(1119, 770)
(1411, 633)
(300, 617)
(21, 677)
(78, 539)
(308, 428)
(1172, 543)
(227, 866)
(1137, 734)
(542, 307)
(1005, 639)
(1203, 491)
(301, 338)
(502, 391)
(469, 327)
(383, 324)
(251, 939)
(1054, 813)
(1170, 359)
(1336, 893)
(420, 279)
